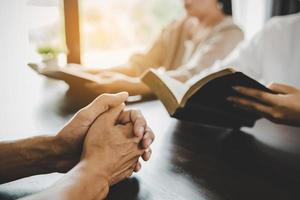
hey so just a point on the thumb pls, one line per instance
(281, 88)
(100, 105)
(112, 115)
(105, 101)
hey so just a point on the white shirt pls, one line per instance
(272, 55)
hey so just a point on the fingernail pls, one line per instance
(148, 152)
(141, 131)
(148, 142)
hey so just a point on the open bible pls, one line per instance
(77, 94)
(69, 74)
(204, 101)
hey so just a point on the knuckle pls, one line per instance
(135, 114)
(102, 101)
(104, 97)
(140, 122)
(135, 111)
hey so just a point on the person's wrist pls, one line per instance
(97, 163)
(97, 166)
(92, 174)
(65, 156)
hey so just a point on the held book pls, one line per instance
(204, 101)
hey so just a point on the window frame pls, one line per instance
(72, 30)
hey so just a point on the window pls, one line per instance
(46, 26)
(251, 15)
(111, 30)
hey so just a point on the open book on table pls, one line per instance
(69, 74)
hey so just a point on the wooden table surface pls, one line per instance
(189, 161)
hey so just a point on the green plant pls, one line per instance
(50, 52)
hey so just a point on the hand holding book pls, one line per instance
(282, 108)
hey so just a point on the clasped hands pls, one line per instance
(107, 137)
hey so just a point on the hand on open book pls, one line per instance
(114, 82)
(282, 108)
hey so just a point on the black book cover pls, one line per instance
(209, 105)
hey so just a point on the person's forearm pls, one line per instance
(124, 69)
(133, 86)
(85, 181)
(139, 88)
(37, 155)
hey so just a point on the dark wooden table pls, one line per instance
(189, 161)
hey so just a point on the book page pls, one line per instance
(168, 90)
(67, 74)
(177, 88)
(70, 73)
(200, 80)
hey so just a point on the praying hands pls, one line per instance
(99, 147)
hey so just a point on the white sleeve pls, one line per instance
(247, 58)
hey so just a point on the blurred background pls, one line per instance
(111, 30)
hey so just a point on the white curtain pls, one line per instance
(251, 15)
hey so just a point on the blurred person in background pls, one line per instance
(185, 47)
